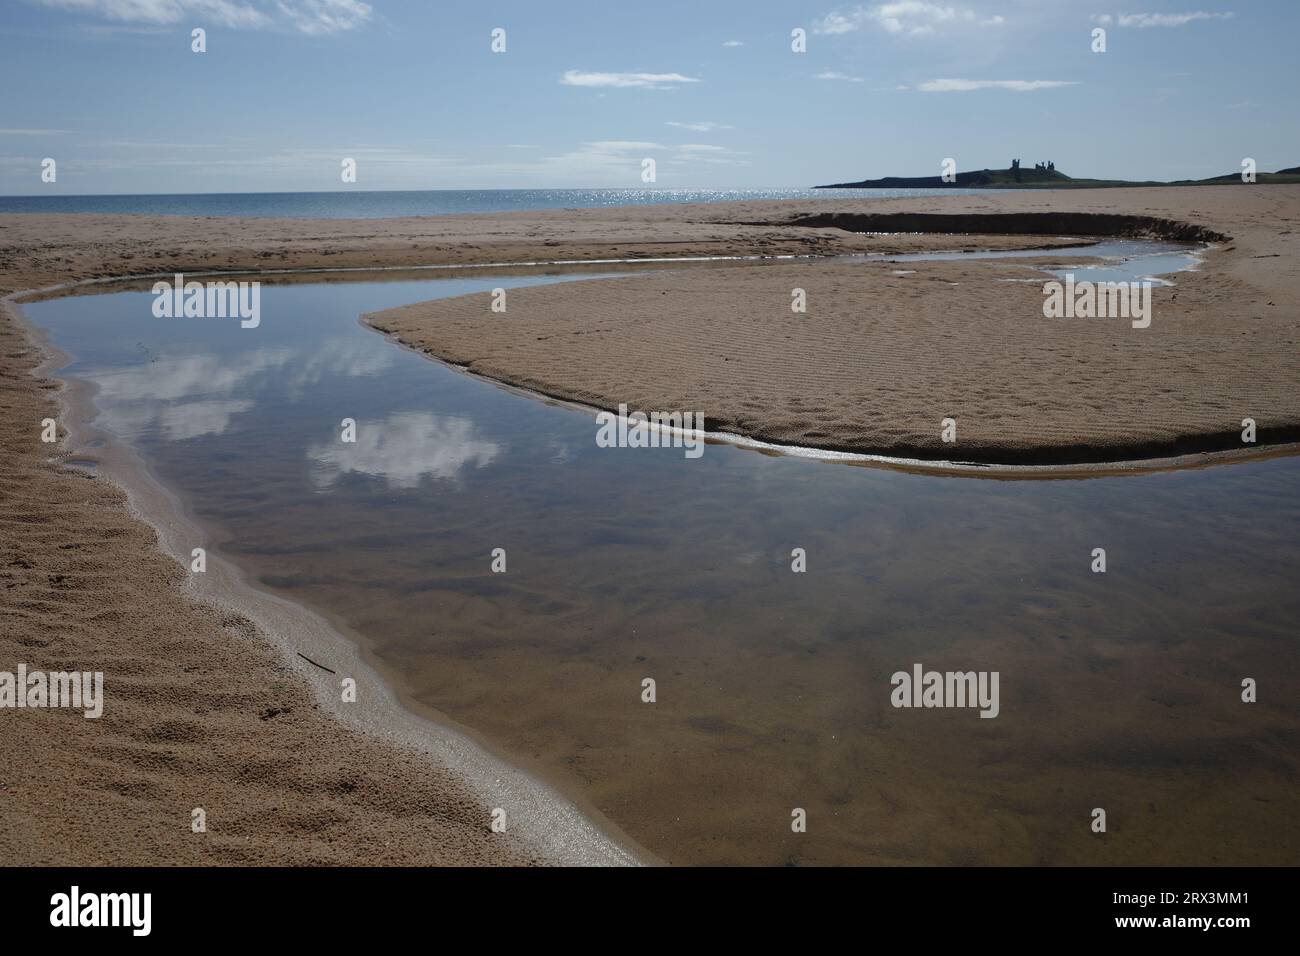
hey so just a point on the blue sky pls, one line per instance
(710, 89)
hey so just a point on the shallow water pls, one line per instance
(1106, 248)
(1118, 690)
(1125, 260)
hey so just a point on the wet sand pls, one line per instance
(200, 712)
(218, 697)
(209, 714)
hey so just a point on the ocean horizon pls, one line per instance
(386, 204)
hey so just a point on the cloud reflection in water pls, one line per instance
(403, 449)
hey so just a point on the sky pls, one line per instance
(584, 92)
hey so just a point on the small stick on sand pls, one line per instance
(310, 661)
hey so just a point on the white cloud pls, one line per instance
(621, 146)
(316, 17)
(615, 162)
(703, 126)
(313, 17)
(403, 449)
(189, 396)
(833, 75)
(696, 154)
(837, 23)
(601, 161)
(965, 86)
(196, 419)
(733, 43)
(169, 379)
(247, 166)
(651, 81)
(185, 397)
(334, 357)
(225, 13)
(1143, 20)
(911, 17)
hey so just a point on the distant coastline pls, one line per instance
(1037, 178)
(396, 204)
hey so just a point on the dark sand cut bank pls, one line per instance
(881, 358)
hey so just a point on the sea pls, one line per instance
(386, 204)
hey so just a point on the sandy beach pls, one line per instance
(208, 711)
(204, 712)
(886, 351)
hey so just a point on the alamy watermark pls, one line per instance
(78, 690)
(656, 430)
(1100, 300)
(922, 688)
(209, 300)
(75, 908)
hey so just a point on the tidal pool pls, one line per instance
(1124, 260)
(1119, 690)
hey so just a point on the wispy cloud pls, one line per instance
(30, 132)
(312, 17)
(404, 449)
(622, 145)
(734, 43)
(703, 126)
(226, 13)
(911, 17)
(833, 75)
(649, 81)
(111, 31)
(965, 86)
(315, 17)
(610, 162)
(1143, 20)
(693, 154)
(618, 162)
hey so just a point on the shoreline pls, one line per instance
(1027, 470)
(547, 824)
(948, 467)
(882, 356)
